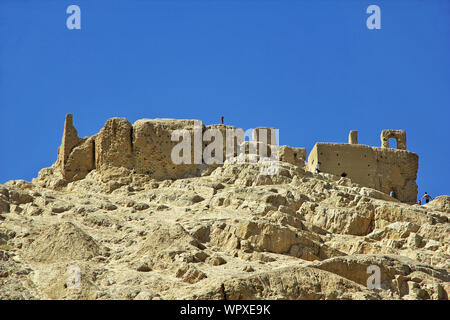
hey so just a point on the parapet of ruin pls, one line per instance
(145, 147)
(398, 135)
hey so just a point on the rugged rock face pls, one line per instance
(133, 231)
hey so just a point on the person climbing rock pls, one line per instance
(221, 120)
(392, 194)
(318, 167)
(427, 197)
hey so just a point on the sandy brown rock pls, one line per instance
(441, 203)
(137, 226)
(63, 241)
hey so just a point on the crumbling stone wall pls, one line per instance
(144, 147)
(114, 145)
(75, 155)
(295, 156)
(379, 168)
(152, 148)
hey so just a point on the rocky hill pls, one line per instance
(227, 233)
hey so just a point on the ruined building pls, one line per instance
(145, 148)
(384, 168)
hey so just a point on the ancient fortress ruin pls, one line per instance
(384, 169)
(145, 148)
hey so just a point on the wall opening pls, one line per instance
(392, 143)
(388, 135)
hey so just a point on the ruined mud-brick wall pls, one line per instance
(379, 168)
(144, 147)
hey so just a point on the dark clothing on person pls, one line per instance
(427, 197)
(317, 167)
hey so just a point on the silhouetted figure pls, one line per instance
(221, 120)
(427, 197)
(318, 167)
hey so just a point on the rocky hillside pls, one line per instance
(230, 233)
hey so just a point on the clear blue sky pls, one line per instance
(312, 69)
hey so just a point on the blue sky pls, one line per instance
(312, 69)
